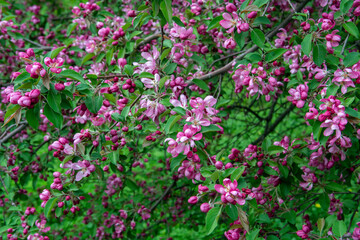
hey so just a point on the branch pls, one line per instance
(250, 111)
(162, 196)
(228, 66)
(11, 134)
(274, 125)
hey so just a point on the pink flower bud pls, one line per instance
(24, 101)
(230, 7)
(219, 164)
(59, 86)
(35, 93)
(252, 14)
(193, 200)
(205, 207)
(122, 62)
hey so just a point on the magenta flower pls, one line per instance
(187, 138)
(84, 166)
(151, 83)
(356, 233)
(198, 120)
(298, 95)
(35, 70)
(230, 22)
(53, 64)
(41, 225)
(230, 193)
(344, 78)
(332, 40)
(182, 103)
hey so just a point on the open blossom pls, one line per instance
(84, 166)
(35, 69)
(299, 95)
(332, 40)
(44, 196)
(344, 78)
(230, 193)
(187, 138)
(41, 225)
(151, 83)
(356, 233)
(53, 64)
(233, 21)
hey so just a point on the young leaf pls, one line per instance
(258, 37)
(166, 9)
(56, 52)
(49, 206)
(215, 23)
(306, 44)
(211, 220)
(201, 84)
(54, 117)
(171, 122)
(319, 54)
(351, 58)
(351, 28)
(273, 55)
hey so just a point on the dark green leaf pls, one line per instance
(201, 84)
(351, 28)
(172, 120)
(351, 58)
(54, 117)
(306, 44)
(211, 220)
(94, 103)
(258, 37)
(319, 54)
(215, 23)
(49, 206)
(273, 55)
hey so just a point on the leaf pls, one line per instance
(232, 212)
(253, 234)
(56, 52)
(33, 116)
(351, 58)
(175, 162)
(339, 228)
(237, 173)
(261, 20)
(49, 206)
(351, 28)
(275, 149)
(240, 38)
(87, 57)
(290, 216)
(320, 224)
(211, 220)
(54, 117)
(179, 110)
(69, 73)
(211, 128)
(243, 219)
(94, 103)
(22, 77)
(172, 120)
(201, 84)
(319, 54)
(71, 28)
(109, 56)
(178, 21)
(146, 75)
(215, 23)
(170, 68)
(125, 112)
(352, 112)
(54, 100)
(258, 37)
(345, 6)
(166, 9)
(10, 111)
(332, 90)
(273, 55)
(306, 44)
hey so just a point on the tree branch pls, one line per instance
(162, 196)
(11, 134)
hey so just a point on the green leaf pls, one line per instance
(170, 68)
(232, 212)
(71, 28)
(273, 55)
(351, 28)
(211, 128)
(352, 112)
(319, 54)
(261, 20)
(178, 21)
(290, 216)
(49, 206)
(54, 117)
(109, 56)
(171, 122)
(351, 58)
(275, 149)
(56, 52)
(237, 173)
(201, 84)
(175, 162)
(125, 112)
(240, 38)
(94, 103)
(339, 228)
(260, 3)
(87, 57)
(332, 90)
(33, 116)
(11, 109)
(345, 6)
(211, 220)
(252, 235)
(166, 9)
(179, 110)
(22, 77)
(306, 44)
(69, 73)
(54, 100)
(215, 23)
(258, 37)
(146, 75)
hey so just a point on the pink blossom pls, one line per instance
(230, 193)
(299, 95)
(344, 78)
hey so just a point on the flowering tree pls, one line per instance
(180, 119)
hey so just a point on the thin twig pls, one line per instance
(344, 44)
(162, 196)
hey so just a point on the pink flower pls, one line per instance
(187, 138)
(230, 193)
(54, 63)
(298, 95)
(356, 233)
(35, 70)
(151, 83)
(332, 40)
(41, 225)
(344, 78)
(182, 103)
(229, 44)
(198, 120)
(230, 22)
